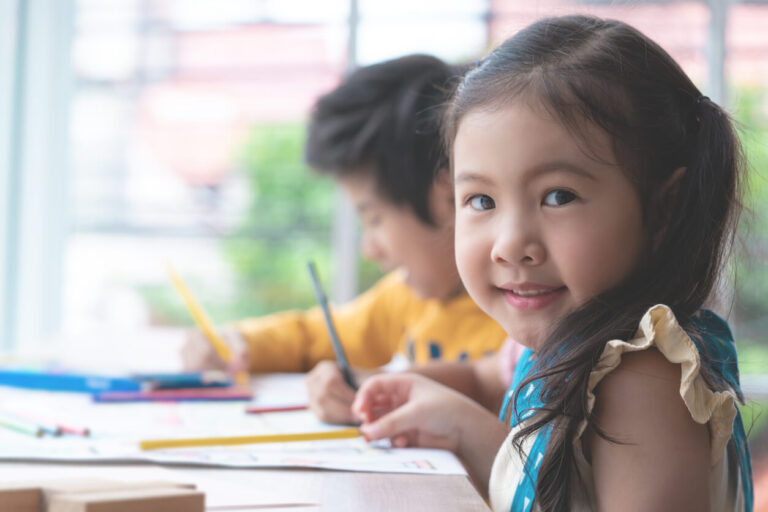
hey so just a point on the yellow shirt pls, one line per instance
(387, 319)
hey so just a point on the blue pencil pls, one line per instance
(82, 383)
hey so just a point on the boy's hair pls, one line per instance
(384, 119)
(588, 71)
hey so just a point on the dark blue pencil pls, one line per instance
(341, 358)
(207, 379)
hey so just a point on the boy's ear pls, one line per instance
(662, 200)
(441, 197)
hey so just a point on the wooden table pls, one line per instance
(285, 490)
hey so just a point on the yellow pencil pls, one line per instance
(204, 323)
(156, 444)
(200, 317)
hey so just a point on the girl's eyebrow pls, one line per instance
(470, 176)
(561, 166)
(544, 168)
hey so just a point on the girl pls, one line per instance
(597, 194)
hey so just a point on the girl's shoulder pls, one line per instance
(684, 374)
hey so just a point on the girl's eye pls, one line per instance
(558, 197)
(481, 202)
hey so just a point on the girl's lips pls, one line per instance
(543, 298)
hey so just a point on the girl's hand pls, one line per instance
(411, 410)
(197, 353)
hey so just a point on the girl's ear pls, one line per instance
(441, 198)
(662, 199)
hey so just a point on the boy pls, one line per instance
(378, 135)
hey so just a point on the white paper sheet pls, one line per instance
(117, 429)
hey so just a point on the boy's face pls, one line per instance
(395, 238)
(541, 227)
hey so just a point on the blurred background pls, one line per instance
(137, 133)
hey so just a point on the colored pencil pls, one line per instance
(322, 301)
(157, 444)
(66, 381)
(204, 322)
(75, 431)
(206, 379)
(256, 409)
(201, 318)
(177, 395)
(21, 426)
(48, 424)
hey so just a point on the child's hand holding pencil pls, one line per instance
(207, 346)
(198, 354)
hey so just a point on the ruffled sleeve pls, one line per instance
(659, 328)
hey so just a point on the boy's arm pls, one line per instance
(296, 341)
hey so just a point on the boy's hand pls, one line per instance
(411, 410)
(197, 353)
(329, 396)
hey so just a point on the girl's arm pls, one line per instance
(485, 381)
(330, 398)
(662, 463)
(479, 380)
(412, 410)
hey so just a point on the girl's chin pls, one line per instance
(528, 339)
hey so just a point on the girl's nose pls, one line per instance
(518, 245)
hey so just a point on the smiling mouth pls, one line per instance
(534, 293)
(532, 299)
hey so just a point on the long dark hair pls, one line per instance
(585, 70)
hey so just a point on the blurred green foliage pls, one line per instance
(750, 312)
(287, 222)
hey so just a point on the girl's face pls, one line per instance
(541, 226)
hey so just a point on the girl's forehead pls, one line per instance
(527, 133)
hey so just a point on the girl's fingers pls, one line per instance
(394, 424)
(381, 392)
(400, 441)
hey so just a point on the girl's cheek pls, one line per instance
(471, 257)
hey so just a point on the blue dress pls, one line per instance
(658, 328)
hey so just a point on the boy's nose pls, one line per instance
(370, 249)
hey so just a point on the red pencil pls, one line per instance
(75, 431)
(256, 409)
